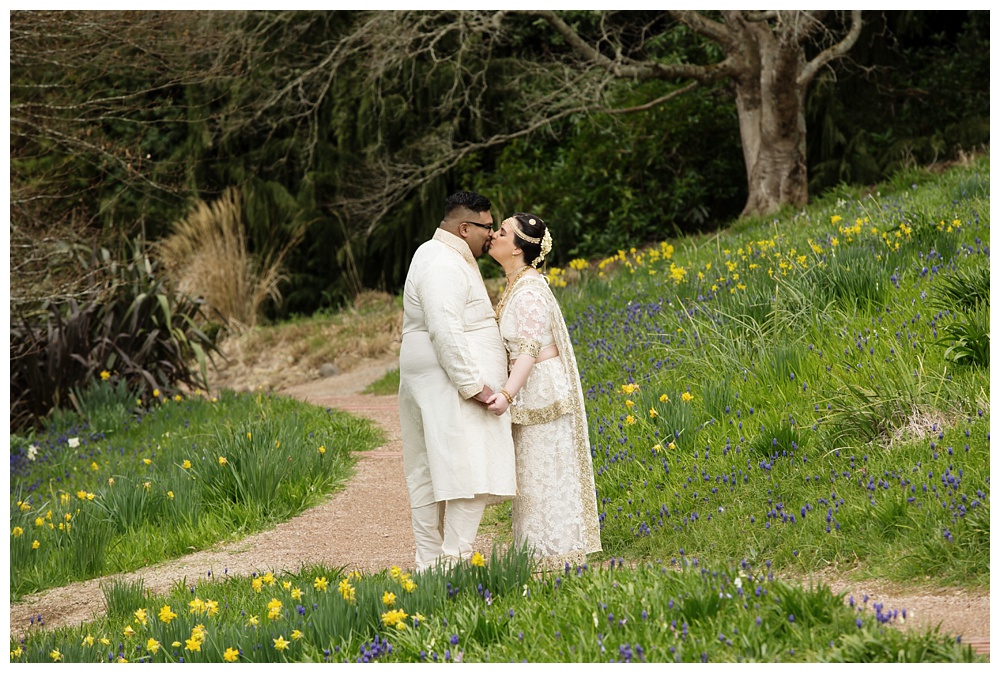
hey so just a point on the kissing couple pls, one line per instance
(490, 401)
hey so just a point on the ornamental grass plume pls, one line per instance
(208, 256)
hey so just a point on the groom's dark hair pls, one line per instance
(477, 203)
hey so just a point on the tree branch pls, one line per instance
(833, 52)
(713, 30)
(653, 103)
(644, 70)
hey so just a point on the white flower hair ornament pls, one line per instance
(546, 248)
(545, 242)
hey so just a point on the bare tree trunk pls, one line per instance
(771, 106)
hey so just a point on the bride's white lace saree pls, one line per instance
(555, 510)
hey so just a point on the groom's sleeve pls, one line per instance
(443, 296)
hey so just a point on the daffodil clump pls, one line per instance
(89, 499)
(498, 610)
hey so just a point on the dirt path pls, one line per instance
(365, 527)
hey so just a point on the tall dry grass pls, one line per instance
(207, 256)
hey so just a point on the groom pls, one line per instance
(456, 454)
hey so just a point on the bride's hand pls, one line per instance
(497, 404)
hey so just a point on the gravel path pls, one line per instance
(365, 526)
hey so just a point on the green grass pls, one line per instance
(837, 411)
(678, 610)
(387, 385)
(117, 490)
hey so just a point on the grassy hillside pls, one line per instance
(811, 388)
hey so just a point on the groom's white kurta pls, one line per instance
(453, 447)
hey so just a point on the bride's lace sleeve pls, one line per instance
(531, 319)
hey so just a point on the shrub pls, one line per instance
(139, 328)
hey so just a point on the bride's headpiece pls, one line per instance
(545, 241)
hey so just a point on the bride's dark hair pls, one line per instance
(537, 230)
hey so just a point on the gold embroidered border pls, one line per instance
(522, 416)
(529, 347)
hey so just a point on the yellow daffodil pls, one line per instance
(253, 621)
(88, 641)
(629, 403)
(629, 388)
(153, 645)
(280, 643)
(388, 599)
(653, 413)
(394, 618)
(320, 583)
(212, 608)
(107, 641)
(193, 644)
(147, 461)
(223, 461)
(657, 448)
(129, 631)
(268, 578)
(56, 655)
(121, 660)
(177, 398)
(630, 420)
(170, 495)
(477, 560)
(156, 392)
(257, 584)
(16, 652)
(166, 615)
(230, 654)
(186, 464)
(197, 606)
(94, 466)
(321, 450)
(16, 531)
(687, 397)
(176, 643)
(105, 375)
(35, 544)
(286, 585)
(296, 634)
(408, 585)
(345, 589)
(140, 616)
(296, 593)
(671, 445)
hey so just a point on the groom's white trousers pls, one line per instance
(446, 529)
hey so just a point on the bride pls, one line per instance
(555, 510)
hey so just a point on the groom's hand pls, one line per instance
(484, 395)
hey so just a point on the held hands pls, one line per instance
(484, 396)
(497, 404)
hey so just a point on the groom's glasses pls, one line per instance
(488, 227)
